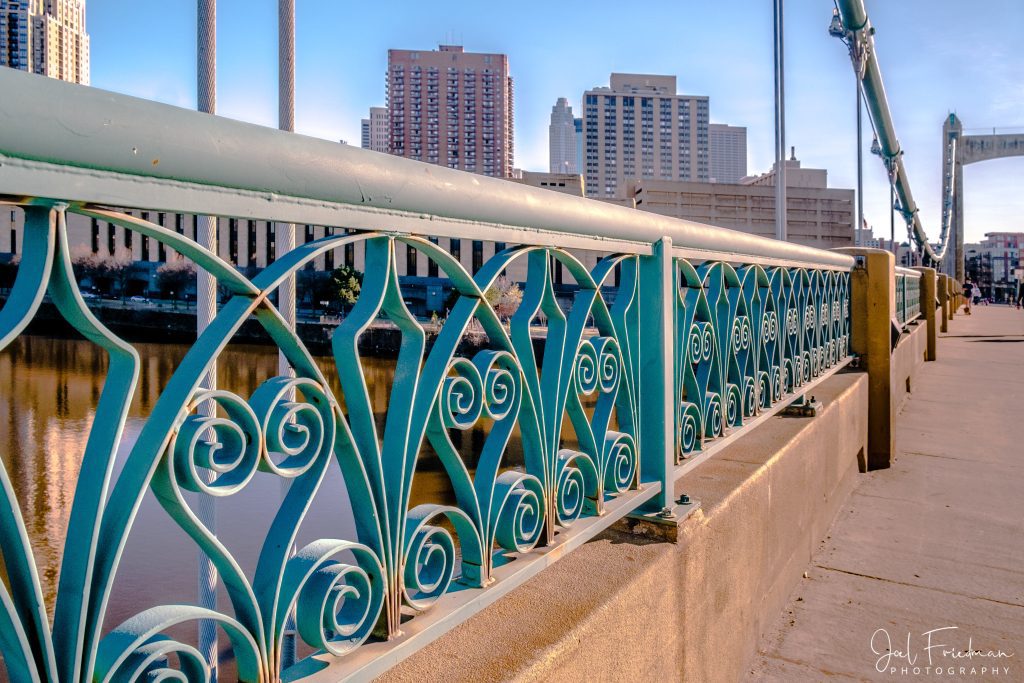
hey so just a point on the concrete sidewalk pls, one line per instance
(935, 541)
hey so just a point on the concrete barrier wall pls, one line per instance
(907, 360)
(627, 608)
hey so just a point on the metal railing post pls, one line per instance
(657, 388)
(872, 307)
(928, 307)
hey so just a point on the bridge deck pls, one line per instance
(935, 541)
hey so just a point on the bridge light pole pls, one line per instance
(780, 126)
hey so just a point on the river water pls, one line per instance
(48, 392)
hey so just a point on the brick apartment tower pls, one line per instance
(452, 108)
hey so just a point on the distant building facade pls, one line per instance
(15, 34)
(375, 130)
(566, 183)
(639, 127)
(46, 37)
(796, 175)
(578, 125)
(727, 146)
(816, 215)
(995, 264)
(562, 139)
(452, 108)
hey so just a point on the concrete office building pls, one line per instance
(247, 244)
(46, 37)
(816, 215)
(562, 139)
(728, 148)
(566, 183)
(638, 127)
(375, 130)
(995, 264)
(452, 108)
(796, 175)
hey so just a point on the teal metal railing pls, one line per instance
(681, 337)
(908, 294)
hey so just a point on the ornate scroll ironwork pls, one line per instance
(749, 336)
(404, 558)
(908, 296)
(745, 337)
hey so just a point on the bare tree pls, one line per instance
(175, 276)
(504, 296)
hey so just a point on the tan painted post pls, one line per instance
(928, 283)
(954, 296)
(943, 286)
(872, 307)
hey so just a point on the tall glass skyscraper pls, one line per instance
(562, 139)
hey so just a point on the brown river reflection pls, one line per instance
(48, 392)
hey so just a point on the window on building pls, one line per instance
(478, 255)
(350, 252)
(455, 247)
(328, 255)
(410, 260)
(431, 263)
(144, 242)
(233, 241)
(251, 240)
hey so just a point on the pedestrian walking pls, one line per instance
(968, 293)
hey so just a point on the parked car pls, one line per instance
(139, 299)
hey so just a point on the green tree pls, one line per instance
(345, 284)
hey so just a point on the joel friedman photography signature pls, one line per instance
(935, 652)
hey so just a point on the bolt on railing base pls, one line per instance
(803, 406)
(661, 526)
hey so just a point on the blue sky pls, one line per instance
(937, 56)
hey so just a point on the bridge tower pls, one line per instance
(970, 149)
(952, 129)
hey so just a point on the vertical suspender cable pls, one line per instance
(285, 232)
(860, 167)
(206, 310)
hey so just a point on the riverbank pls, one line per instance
(166, 323)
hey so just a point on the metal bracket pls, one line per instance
(803, 407)
(663, 525)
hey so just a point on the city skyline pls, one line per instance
(970, 66)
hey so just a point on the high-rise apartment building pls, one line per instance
(45, 37)
(638, 127)
(375, 130)
(15, 34)
(562, 139)
(60, 45)
(452, 108)
(728, 148)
